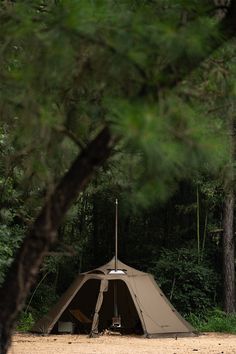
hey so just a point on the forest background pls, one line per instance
(146, 91)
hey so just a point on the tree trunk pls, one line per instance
(228, 227)
(23, 271)
(228, 254)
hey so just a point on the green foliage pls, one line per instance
(44, 298)
(86, 53)
(25, 322)
(12, 212)
(175, 130)
(188, 284)
(214, 321)
(10, 238)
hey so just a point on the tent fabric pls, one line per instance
(141, 303)
(103, 288)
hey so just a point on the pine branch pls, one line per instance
(62, 129)
(174, 73)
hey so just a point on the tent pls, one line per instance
(88, 305)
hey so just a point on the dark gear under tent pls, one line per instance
(88, 305)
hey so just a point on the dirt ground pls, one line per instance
(114, 344)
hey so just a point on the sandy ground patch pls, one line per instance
(71, 344)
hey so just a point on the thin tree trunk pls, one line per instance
(228, 253)
(23, 271)
(198, 226)
(204, 235)
(228, 228)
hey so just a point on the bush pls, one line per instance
(10, 239)
(25, 322)
(190, 285)
(215, 321)
(42, 300)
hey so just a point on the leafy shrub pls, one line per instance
(196, 321)
(25, 321)
(43, 299)
(215, 321)
(190, 285)
(10, 238)
(39, 303)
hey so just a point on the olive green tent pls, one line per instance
(88, 305)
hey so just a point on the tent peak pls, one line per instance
(109, 268)
(118, 271)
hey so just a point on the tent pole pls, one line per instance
(116, 235)
(116, 251)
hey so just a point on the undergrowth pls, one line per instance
(25, 322)
(214, 321)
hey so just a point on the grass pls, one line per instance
(25, 322)
(215, 321)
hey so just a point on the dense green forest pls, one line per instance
(105, 99)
